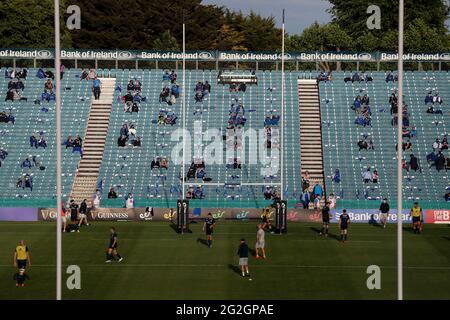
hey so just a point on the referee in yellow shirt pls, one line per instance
(417, 217)
(21, 256)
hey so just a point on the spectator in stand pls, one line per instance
(129, 201)
(447, 196)
(33, 141)
(413, 132)
(96, 198)
(173, 77)
(336, 177)
(432, 110)
(137, 86)
(96, 88)
(49, 74)
(317, 191)
(164, 95)
(365, 100)
(155, 164)
(305, 199)
(431, 158)
(407, 146)
(41, 142)
(166, 76)
(356, 77)
(26, 164)
(207, 87)
(9, 73)
(367, 176)
(124, 130)
(137, 142)
(130, 85)
(69, 142)
(317, 203)
(390, 77)
(332, 201)
(122, 141)
(48, 87)
(325, 76)
(440, 162)
(62, 69)
(414, 162)
(437, 145)
(92, 74)
(112, 193)
(305, 181)
(375, 176)
(3, 154)
(437, 98)
(444, 144)
(357, 103)
(84, 75)
(362, 144)
(164, 164)
(429, 98)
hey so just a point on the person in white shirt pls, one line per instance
(96, 199)
(367, 176)
(332, 201)
(260, 242)
(317, 203)
(437, 145)
(129, 204)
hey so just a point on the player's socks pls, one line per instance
(342, 237)
(345, 237)
(243, 274)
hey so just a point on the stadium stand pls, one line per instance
(32, 117)
(128, 169)
(341, 135)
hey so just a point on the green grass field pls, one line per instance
(160, 264)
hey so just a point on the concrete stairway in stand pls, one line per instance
(85, 182)
(311, 132)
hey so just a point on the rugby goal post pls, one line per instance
(280, 216)
(183, 216)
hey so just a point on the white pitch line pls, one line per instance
(124, 264)
(351, 241)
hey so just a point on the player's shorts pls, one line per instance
(21, 264)
(209, 231)
(112, 246)
(415, 219)
(73, 217)
(344, 226)
(383, 216)
(83, 215)
(260, 244)
(325, 220)
(243, 261)
(63, 219)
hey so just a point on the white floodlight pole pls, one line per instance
(282, 113)
(58, 153)
(183, 92)
(400, 155)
